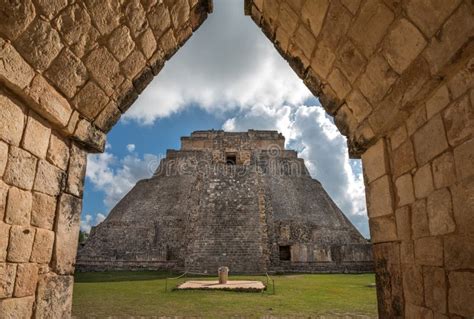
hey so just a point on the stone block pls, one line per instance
(3, 157)
(403, 219)
(377, 79)
(133, 65)
(459, 121)
(168, 44)
(18, 207)
(359, 105)
(351, 5)
(430, 140)
(461, 293)
(58, 151)
(423, 181)
(380, 197)
(13, 68)
(90, 100)
(4, 235)
(464, 159)
(463, 202)
(105, 14)
(439, 209)
(104, 69)
(76, 171)
(126, 96)
(15, 308)
(429, 251)
(402, 45)
(75, 26)
(67, 234)
(452, 36)
(438, 101)
(434, 282)
(3, 199)
(287, 19)
(459, 251)
(305, 41)
(413, 284)
(147, 43)
(12, 120)
(407, 252)
(90, 136)
(371, 25)
(43, 210)
(339, 83)
(417, 312)
(7, 279)
(159, 19)
(404, 186)
(54, 296)
(416, 120)
(49, 179)
(21, 243)
(323, 60)
(462, 80)
(20, 169)
(108, 117)
(26, 279)
(36, 137)
(419, 217)
(136, 17)
(15, 18)
(42, 246)
(375, 161)
(179, 13)
(49, 103)
(398, 136)
(67, 73)
(50, 8)
(403, 159)
(345, 121)
(383, 229)
(40, 44)
(444, 173)
(120, 43)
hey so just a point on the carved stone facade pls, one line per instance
(234, 199)
(396, 75)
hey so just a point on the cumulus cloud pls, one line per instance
(130, 147)
(227, 64)
(88, 221)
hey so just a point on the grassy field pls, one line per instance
(125, 294)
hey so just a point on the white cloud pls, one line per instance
(87, 222)
(130, 147)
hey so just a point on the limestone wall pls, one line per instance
(398, 78)
(68, 70)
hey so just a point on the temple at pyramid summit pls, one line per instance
(235, 199)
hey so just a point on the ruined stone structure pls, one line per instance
(234, 199)
(396, 75)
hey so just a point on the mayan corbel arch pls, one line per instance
(396, 75)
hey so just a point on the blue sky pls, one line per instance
(227, 76)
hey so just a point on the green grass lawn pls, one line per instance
(125, 294)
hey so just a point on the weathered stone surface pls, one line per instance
(76, 171)
(18, 207)
(461, 292)
(464, 159)
(105, 14)
(15, 17)
(12, 119)
(67, 232)
(438, 101)
(413, 284)
(288, 19)
(419, 219)
(444, 173)
(50, 8)
(12, 67)
(430, 140)
(462, 80)
(415, 312)
(435, 288)
(398, 137)
(49, 179)
(7, 279)
(380, 197)
(416, 120)
(339, 83)
(120, 43)
(383, 229)
(36, 137)
(423, 181)
(4, 234)
(90, 136)
(168, 44)
(26, 279)
(147, 43)
(371, 25)
(439, 209)
(133, 64)
(402, 45)
(403, 219)
(43, 210)
(108, 117)
(359, 105)
(21, 243)
(159, 19)
(313, 14)
(42, 246)
(67, 72)
(54, 296)
(90, 100)
(58, 152)
(429, 251)
(136, 17)
(459, 121)
(179, 13)
(14, 308)
(404, 186)
(407, 252)
(375, 161)
(105, 69)
(49, 103)
(377, 79)
(39, 44)
(463, 201)
(459, 251)
(20, 169)
(403, 159)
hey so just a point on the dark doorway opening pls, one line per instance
(231, 159)
(285, 253)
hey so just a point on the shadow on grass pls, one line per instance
(121, 276)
